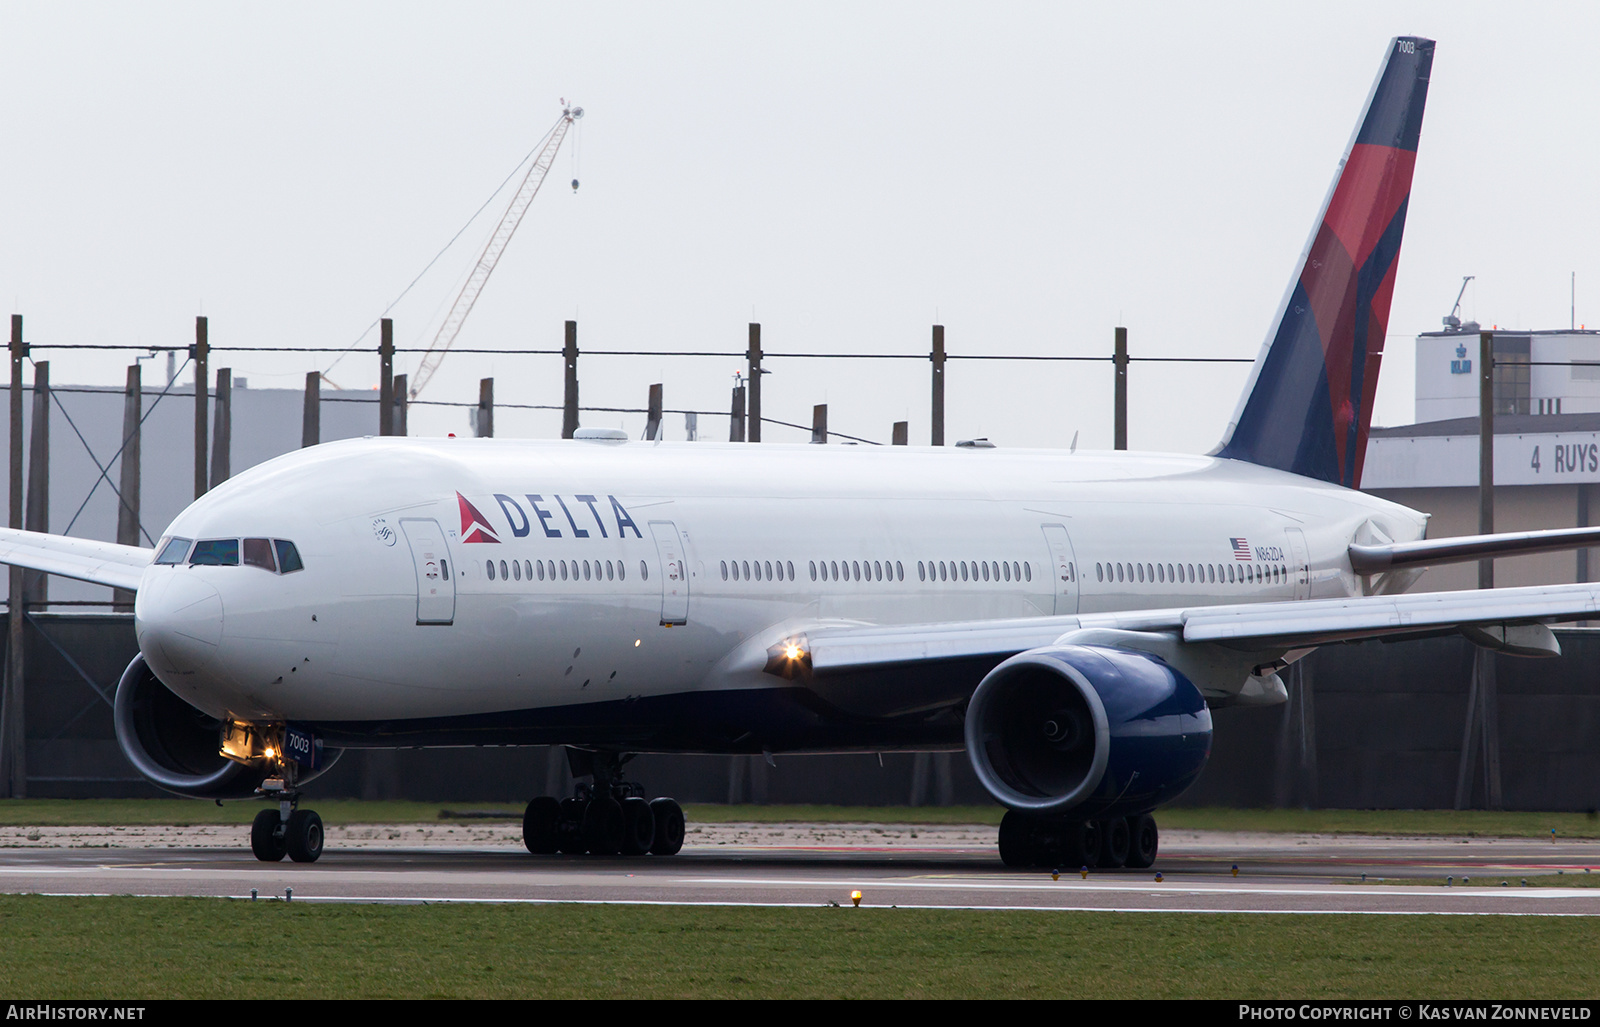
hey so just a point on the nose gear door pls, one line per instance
(436, 586)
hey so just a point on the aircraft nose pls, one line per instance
(178, 622)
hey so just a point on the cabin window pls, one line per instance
(516, 570)
(769, 570)
(724, 570)
(488, 568)
(215, 552)
(173, 551)
(540, 565)
(1027, 569)
(644, 571)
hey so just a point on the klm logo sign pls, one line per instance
(1461, 365)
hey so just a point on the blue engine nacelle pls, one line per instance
(1087, 730)
(177, 746)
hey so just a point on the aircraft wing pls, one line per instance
(103, 563)
(1486, 614)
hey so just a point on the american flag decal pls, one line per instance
(1241, 548)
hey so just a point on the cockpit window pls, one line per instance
(215, 552)
(288, 556)
(173, 551)
(258, 553)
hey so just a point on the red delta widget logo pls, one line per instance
(475, 526)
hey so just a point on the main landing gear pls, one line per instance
(286, 831)
(1028, 840)
(609, 817)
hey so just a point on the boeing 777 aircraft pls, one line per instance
(1070, 619)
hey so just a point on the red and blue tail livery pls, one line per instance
(1308, 405)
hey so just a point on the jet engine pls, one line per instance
(177, 746)
(1087, 731)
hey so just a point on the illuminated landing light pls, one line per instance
(789, 658)
(636, 642)
(270, 752)
(855, 898)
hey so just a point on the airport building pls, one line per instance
(1546, 447)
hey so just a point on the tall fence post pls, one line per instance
(819, 424)
(569, 403)
(386, 377)
(201, 352)
(937, 433)
(1119, 391)
(1486, 450)
(485, 424)
(652, 421)
(222, 438)
(129, 475)
(901, 434)
(311, 415)
(397, 422)
(753, 356)
(13, 751)
(35, 584)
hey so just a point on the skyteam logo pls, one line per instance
(474, 525)
(1241, 547)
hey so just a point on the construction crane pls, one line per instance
(494, 248)
(1452, 320)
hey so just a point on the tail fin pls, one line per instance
(1308, 405)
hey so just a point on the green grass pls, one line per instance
(113, 812)
(129, 948)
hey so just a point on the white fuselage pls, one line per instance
(568, 593)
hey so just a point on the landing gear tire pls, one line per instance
(303, 836)
(1085, 842)
(540, 826)
(603, 826)
(265, 840)
(569, 829)
(668, 836)
(1018, 847)
(638, 826)
(1114, 841)
(1143, 841)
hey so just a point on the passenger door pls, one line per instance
(674, 570)
(436, 586)
(1063, 566)
(1301, 562)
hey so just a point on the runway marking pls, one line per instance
(1192, 888)
(445, 900)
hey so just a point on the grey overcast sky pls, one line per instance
(1030, 175)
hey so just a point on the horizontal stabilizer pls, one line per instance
(103, 563)
(1375, 559)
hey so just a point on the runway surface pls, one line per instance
(812, 865)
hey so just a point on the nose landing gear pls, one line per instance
(287, 831)
(607, 817)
